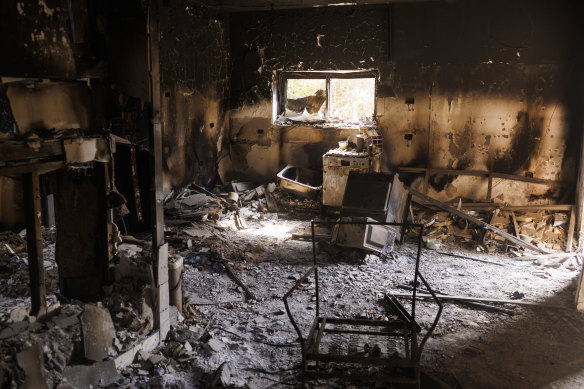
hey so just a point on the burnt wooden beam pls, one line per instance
(159, 247)
(34, 242)
(135, 183)
(23, 150)
(103, 252)
(17, 170)
(477, 222)
(483, 299)
(516, 208)
(571, 227)
(515, 226)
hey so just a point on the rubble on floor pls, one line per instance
(14, 276)
(79, 342)
(225, 339)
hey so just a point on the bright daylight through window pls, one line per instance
(333, 98)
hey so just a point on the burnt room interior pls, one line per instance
(278, 193)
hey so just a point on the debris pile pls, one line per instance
(75, 343)
(53, 348)
(544, 229)
(14, 274)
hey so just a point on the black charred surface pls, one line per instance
(333, 38)
(194, 71)
(38, 43)
(464, 62)
(7, 123)
(439, 182)
(78, 251)
(127, 54)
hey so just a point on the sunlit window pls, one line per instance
(352, 99)
(326, 97)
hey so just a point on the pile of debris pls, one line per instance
(57, 347)
(81, 345)
(14, 273)
(546, 230)
(237, 201)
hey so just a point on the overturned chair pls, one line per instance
(374, 367)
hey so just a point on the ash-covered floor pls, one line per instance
(227, 340)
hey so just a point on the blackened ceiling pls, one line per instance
(258, 5)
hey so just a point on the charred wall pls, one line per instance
(334, 38)
(194, 72)
(495, 84)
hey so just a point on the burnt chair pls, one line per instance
(371, 367)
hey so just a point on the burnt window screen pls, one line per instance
(326, 97)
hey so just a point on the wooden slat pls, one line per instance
(515, 226)
(516, 208)
(359, 377)
(18, 170)
(378, 361)
(316, 346)
(359, 332)
(22, 150)
(571, 230)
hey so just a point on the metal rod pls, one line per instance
(34, 242)
(434, 324)
(315, 271)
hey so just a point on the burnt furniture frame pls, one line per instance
(394, 369)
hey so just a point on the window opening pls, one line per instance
(342, 98)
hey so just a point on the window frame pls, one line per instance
(279, 93)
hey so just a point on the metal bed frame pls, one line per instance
(397, 370)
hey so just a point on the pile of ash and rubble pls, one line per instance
(79, 345)
(242, 247)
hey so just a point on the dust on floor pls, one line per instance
(225, 339)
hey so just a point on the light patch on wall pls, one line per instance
(44, 8)
(318, 39)
(36, 35)
(52, 106)
(20, 8)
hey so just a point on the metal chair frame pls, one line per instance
(395, 369)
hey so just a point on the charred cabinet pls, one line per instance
(337, 164)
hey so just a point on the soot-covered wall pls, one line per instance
(305, 39)
(194, 71)
(496, 86)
